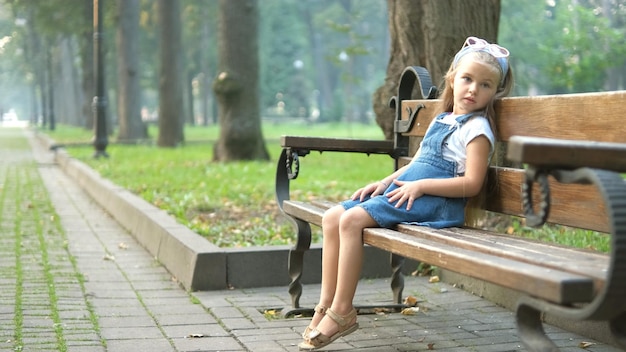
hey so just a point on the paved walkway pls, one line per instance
(72, 280)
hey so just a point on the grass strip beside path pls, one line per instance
(35, 265)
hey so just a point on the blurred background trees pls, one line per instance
(319, 61)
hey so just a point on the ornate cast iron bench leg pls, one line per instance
(397, 279)
(608, 305)
(530, 329)
(287, 170)
(618, 329)
(296, 265)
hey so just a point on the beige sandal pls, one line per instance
(320, 310)
(317, 340)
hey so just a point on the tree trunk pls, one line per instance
(50, 87)
(237, 84)
(66, 81)
(170, 79)
(325, 87)
(205, 89)
(129, 95)
(188, 107)
(428, 34)
(86, 61)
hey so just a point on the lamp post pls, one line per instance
(99, 100)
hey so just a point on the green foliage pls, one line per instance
(561, 47)
(300, 47)
(285, 59)
(558, 47)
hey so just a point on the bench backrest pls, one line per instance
(578, 117)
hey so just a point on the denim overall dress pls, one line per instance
(432, 211)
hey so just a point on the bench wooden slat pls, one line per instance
(338, 144)
(571, 204)
(553, 285)
(590, 116)
(304, 211)
(576, 261)
(560, 153)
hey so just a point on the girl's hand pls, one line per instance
(406, 192)
(373, 189)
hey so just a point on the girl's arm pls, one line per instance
(465, 186)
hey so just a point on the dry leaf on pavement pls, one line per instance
(410, 301)
(585, 344)
(410, 311)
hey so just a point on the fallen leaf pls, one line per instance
(431, 346)
(271, 312)
(108, 257)
(410, 311)
(433, 279)
(585, 344)
(381, 311)
(122, 245)
(421, 339)
(410, 301)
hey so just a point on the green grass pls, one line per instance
(233, 204)
(563, 235)
(271, 131)
(40, 250)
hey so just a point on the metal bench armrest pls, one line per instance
(337, 145)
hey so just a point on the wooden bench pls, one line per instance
(573, 148)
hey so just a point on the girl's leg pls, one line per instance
(351, 226)
(330, 254)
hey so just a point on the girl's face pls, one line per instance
(474, 86)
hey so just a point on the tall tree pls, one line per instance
(237, 83)
(206, 95)
(428, 33)
(86, 64)
(170, 80)
(131, 127)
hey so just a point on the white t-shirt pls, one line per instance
(454, 148)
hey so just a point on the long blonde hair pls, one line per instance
(447, 93)
(476, 203)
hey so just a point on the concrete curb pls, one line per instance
(196, 263)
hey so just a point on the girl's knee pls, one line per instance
(331, 217)
(356, 218)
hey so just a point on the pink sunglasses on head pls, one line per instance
(481, 44)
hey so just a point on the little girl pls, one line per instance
(432, 190)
